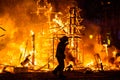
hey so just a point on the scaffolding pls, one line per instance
(74, 34)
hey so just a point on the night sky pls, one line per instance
(96, 8)
(91, 8)
(105, 13)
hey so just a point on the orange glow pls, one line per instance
(32, 33)
(47, 26)
(91, 36)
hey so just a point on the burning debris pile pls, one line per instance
(30, 31)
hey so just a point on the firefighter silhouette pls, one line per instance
(60, 55)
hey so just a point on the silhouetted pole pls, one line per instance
(33, 54)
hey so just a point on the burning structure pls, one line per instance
(30, 31)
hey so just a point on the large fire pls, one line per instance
(30, 31)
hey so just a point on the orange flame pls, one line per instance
(26, 20)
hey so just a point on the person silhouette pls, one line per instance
(60, 55)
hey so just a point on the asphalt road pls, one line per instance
(70, 75)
